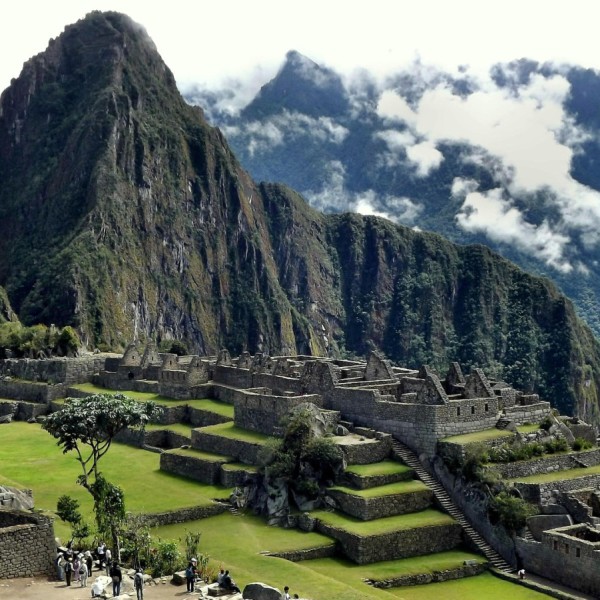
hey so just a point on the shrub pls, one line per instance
(581, 444)
(510, 511)
(165, 558)
(546, 423)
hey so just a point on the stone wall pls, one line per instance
(395, 544)
(53, 370)
(265, 412)
(563, 558)
(31, 391)
(22, 411)
(183, 515)
(364, 452)
(27, 544)
(231, 478)
(245, 452)
(206, 471)
(547, 464)
(432, 577)
(307, 554)
(367, 509)
(528, 413)
(419, 426)
(541, 493)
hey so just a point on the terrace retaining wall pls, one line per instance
(27, 545)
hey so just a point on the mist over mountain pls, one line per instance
(510, 161)
(125, 214)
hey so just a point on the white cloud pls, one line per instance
(501, 221)
(425, 156)
(288, 125)
(335, 197)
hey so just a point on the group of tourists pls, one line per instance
(76, 567)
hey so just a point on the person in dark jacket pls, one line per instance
(229, 584)
(68, 570)
(116, 576)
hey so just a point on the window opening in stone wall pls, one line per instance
(472, 410)
(577, 552)
(458, 411)
(555, 545)
(487, 407)
(566, 548)
(130, 375)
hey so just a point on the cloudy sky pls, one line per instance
(208, 41)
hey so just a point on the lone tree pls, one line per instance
(87, 426)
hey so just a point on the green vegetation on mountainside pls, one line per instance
(133, 215)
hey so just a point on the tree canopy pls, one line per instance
(93, 422)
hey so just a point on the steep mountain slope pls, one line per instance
(123, 212)
(382, 149)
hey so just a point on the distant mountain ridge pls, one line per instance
(332, 142)
(124, 213)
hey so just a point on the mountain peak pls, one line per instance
(305, 87)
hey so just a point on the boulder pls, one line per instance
(260, 591)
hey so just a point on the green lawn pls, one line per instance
(30, 458)
(400, 487)
(530, 428)
(229, 430)
(235, 466)
(385, 467)
(479, 436)
(423, 518)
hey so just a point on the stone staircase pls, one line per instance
(503, 423)
(411, 459)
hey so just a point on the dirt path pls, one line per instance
(35, 588)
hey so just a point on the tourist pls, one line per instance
(116, 576)
(190, 574)
(89, 561)
(59, 566)
(108, 559)
(138, 583)
(101, 551)
(286, 593)
(68, 570)
(220, 577)
(76, 564)
(83, 571)
(229, 584)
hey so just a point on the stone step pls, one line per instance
(408, 457)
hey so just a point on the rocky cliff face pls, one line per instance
(123, 212)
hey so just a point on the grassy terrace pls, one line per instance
(200, 454)
(207, 404)
(440, 561)
(180, 428)
(489, 434)
(235, 466)
(424, 518)
(229, 430)
(401, 487)
(560, 475)
(385, 467)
